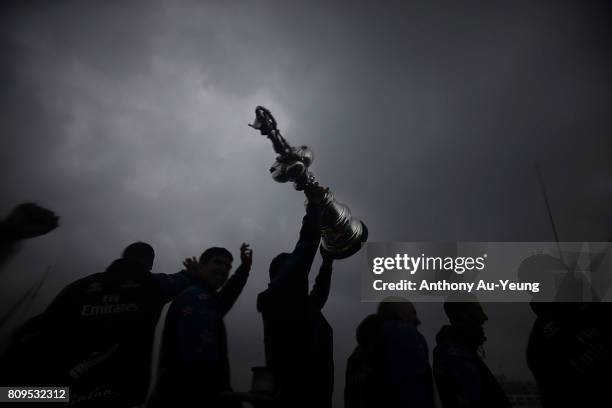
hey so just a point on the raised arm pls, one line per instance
(310, 236)
(171, 285)
(298, 263)
(320, 290)
(26, 221)
(233, 287)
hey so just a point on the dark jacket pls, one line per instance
(194, 362)
(406, 356)
(390, 367)
(463, 379)
(570, 353)
(96, 336)
(298, 339)
(363, 384)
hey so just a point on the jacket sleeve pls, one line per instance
(228, 295)
(171, 285)
(298, 264)
(320, 290)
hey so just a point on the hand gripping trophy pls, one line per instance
(342, 235)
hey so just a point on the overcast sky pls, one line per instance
(129, 119)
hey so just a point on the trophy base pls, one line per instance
(348, 251)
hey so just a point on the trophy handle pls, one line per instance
(342, 235)
(266, 124)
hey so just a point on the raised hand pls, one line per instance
(315, 193)
(246, 255)
(29, 220)
(264, 121)
(191, 266)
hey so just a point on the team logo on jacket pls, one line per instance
(105, 309)
(95, 287)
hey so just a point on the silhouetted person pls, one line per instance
(570, 345)
(194, 362)
(463, 379)
(390, 366)
(287, 311)
(405, 355)
(96, 336)
(26, 221)
(364, 386)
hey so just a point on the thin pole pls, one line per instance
(550, 217)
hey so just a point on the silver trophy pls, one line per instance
(342, 235)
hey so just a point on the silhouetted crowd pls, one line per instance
(96, 337)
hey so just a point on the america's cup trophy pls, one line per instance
(342, 235)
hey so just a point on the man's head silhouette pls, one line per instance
(276, 264)
(140, 252)
(465, 313)
(397, 308)
(214, 267)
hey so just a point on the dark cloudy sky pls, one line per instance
(129, 120)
